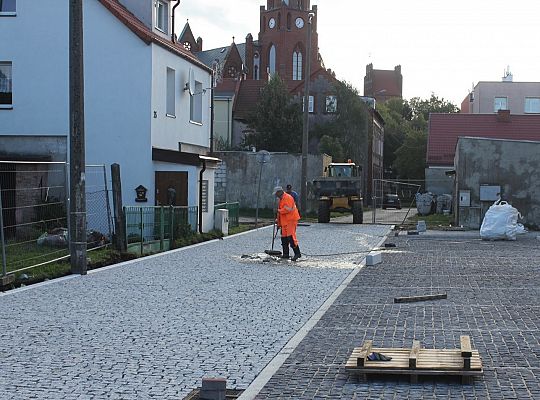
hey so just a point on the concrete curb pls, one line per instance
(272, 367)
(123, 264)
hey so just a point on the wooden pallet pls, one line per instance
(464, 362)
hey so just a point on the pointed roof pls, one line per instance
(147, 35)
(220, 54)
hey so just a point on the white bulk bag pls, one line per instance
(500, 222)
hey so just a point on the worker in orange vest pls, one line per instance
(287, 220)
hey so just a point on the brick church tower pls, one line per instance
(282, 44)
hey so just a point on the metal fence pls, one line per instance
(34, 204)
(392, 201)
(234, 212)
(153, 229)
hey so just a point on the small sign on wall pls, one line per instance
(464, 198)
(490, 192)
(204, 195)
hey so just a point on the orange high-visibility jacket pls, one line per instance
(287, 211)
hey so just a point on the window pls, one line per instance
(256, 66)
(272, 61)
(162, 16)
(171, 95)
(6, 89)
(187, 46)
(500, 103)
(532, 105)
(297, 66)
(331, 104)
(311, 104)
(195, 107)
(289, 21)
(7, 7)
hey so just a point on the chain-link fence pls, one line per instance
(234, 212)
(393, 201)
(34, 214)
(152, 229)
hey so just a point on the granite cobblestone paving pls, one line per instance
(493, 290)
(154, 327)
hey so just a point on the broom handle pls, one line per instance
(274, 233)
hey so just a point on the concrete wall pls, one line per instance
(514, 165)
(485, 93)
(437, 182)
(237, 177)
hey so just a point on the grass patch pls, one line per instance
(263, 212)
(433, 220)
(240, 228)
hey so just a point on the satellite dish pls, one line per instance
(190, 85)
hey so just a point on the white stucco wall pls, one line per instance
(167, 132)
(35, 41)
(118, 68)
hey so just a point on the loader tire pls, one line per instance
(323, 215)
(357, 212)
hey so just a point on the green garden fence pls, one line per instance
(234, 212)
(153, 229)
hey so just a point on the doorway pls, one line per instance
(171, 188)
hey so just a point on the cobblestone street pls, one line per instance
(152, 328)
(493, 290)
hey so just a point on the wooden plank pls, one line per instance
(413, 356)
(426, 297)
(466, 350)
(364, 352)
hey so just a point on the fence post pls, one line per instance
(171, 244)
(161, 227)
(119, 217)
(4, 263)
(142, 232)
(107, 201)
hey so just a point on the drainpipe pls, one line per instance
(200, 195)
(212, 115)
(174, 7)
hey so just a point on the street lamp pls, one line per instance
(305, 135)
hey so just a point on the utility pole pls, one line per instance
(305, 135)
(77, 187)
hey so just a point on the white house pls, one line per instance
(140, 110)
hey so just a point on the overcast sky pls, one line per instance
(442, 46)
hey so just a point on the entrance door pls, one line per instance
(171, 188)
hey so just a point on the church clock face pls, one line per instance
(299, 23)
(272, 23)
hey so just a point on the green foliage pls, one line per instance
(277, 121)
(345, 135)
(331, 146)
(406, 131)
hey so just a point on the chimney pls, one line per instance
(199, 43)
(503, 115)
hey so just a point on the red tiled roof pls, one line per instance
(247, 97)
(445, 129)
(146, 34)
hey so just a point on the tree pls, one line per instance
(406, 132)
(396, 114)
(345, 135)
(277, 120)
